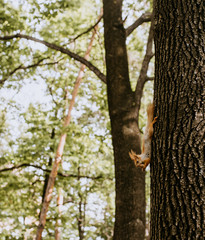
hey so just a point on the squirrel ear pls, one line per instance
(134, 154)
(131, 156)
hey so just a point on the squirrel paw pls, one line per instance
(155, 119)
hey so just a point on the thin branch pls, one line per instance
(60, 174)
(146, 17)
(88, 30)
(51, 93)
(53, 46)
(21, 166)
(145, 64)
(68, 201)
(149, 78)
(22, 67)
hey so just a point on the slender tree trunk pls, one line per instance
(49, 164)
(58, 220)
(59, 152)
(81, 217)
(178, 161)
(130, 181)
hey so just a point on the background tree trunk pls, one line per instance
(58, 224)
(177, 168)
(59, 152)
(130, 181)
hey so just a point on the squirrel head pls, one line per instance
(136, 158)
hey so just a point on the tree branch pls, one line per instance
(145, 64)
(21, 67)
(53, 46)
(24, 165)
(149, 78)
(89, 29)
(146, 17)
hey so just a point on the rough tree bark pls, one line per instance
(177, 169)
(124, 112)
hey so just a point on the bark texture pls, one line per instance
(177, 168)
(130, 181)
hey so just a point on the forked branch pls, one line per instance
(143, 78)
(90, 28)
(53, 46)
(34, 65)
(146, 17)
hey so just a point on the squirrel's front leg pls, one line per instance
(151, 127)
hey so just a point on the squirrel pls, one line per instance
(144, 158)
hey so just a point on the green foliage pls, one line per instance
(30, 129)
(87, 149)
(10, 17)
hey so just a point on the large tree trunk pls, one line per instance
(177, 167)
(130, 181)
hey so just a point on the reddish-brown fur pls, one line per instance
(142, 160)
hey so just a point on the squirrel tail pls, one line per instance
(150, 113)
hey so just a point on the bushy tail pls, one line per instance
(150, 113)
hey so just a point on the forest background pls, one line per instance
(37, 85)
